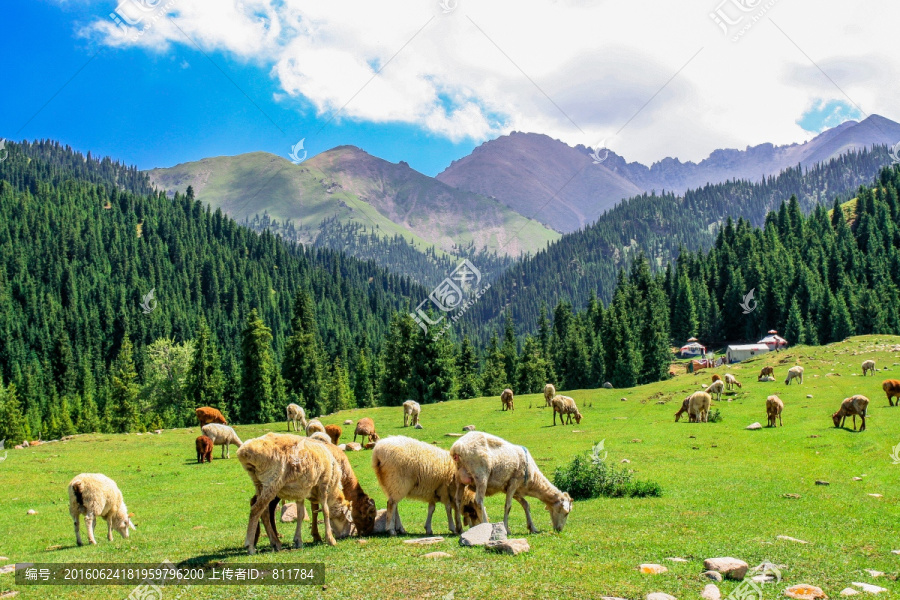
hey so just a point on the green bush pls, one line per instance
(590, 476)
(714, 416)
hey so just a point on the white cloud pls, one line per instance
(489, 67)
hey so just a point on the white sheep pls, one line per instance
(411, 410)
(313, 426)
(731, 381)
(295, 415)
(321, 436)
(698, 407)
(868, 366)
(94, 495)
(408, 468)
(549, 392)
(716, 389)
(293, 468)
(794, 373)
(494, 465)
(566, 408)
(222, 435)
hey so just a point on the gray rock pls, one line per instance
(677, 559)
(607, 386)
(659, 596)
(788, 538)
(652, 569)
(453, 435)
(418, 426)
(625, 461)
(426, 541)
(7, 569)
(348, 422)
(289, 513)
(31, 511)
(469, 428)
(809, 395)
(354, 446)
(754, 426)
(511, 546)
(849, 592)
(714, 575)
(623, 399)
(730, 568)
(711, 592)
(482, 534)
(9, 594)
(436, 555)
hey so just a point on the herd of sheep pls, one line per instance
(288, 467)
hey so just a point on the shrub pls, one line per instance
(714, 416)
(590, 476)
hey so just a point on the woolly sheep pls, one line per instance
(365, 427)
(204, 447)
(891, 387)
(94, 495)
(868, 366)
(222, 435)
(408, 468)
(293, 468)
(208, 414)
(716, 388)
(320, 436)
(765, 372)
(794, 373)
(716, 378)
(683, 409)
(334, 433)
(549, 392)
(313, 426)
(565, 407)
(774, 407)
(494, 465)
(295, 415)
(698, 407)
(851, 407)
(506, 400)
(731, 381)
(411, 410)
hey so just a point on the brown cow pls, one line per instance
(208, 414)
(204, 447)
(891, 387)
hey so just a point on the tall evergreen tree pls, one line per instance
(303, 366)
(256, 401)
(205, 383)
(12, 425)
(467, 370)
(123, 407)
(493, 377)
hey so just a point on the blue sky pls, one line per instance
(410, 80)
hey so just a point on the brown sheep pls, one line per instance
(365, 427)
(204, 447)
(891, 387)
(683, 409)
(549, 392)
(362, 507)
(334, 432)
(766, 371)
(208, 414)
(774, 406)
(506, 399)
(716, 378)
(850, 407)
(566, 408)
(731, 381)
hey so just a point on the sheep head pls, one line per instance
(559, 511)
(836, 417)
(364, 512)
(577, 417)
(122, 521)
(341, 519)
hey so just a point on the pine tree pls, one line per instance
(794, 330)
(303, 365)
(510, 353)
(397, 361)
(363, 381)
(493, 379)
(256, 401)
(205, 383)
(532, 374)
(684, 312)
(433, 377)
(338, 394)
(12, 426)
(467, 370)
(123, 399)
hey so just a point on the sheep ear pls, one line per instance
(132, 525)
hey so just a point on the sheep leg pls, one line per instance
(78, 541)
(399, 523)
(298, 541)
(480, 491)
(509, 498)
(431, 506)
(89, 522)
(527, 509)
(863, 426)
(554, 417)
(391, 514)
(271, 532)
(450, 524)
(326, 512)
(109, 529)
(263, 497)
(314, 516)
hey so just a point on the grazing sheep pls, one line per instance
(765, 378)
(204, 447)
(766, 372)
(314, 426)
(683, 409)
(716, 388)
(295, 415)
(408, 468)
(208, 414)
(506, 400)
(293, 468)
(565, 407)
(891, 387)
(868, 366)
(334, 432)
(698, 407)
(731, 381)
(365, 427)
(794, 373)
(850, 407)
(321, 436)
(94, 495)
(716, 378)
(494, 465)
(774, 406)
(549, 392)
(411, 410)
(222, 435)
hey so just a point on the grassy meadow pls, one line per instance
(723, 487)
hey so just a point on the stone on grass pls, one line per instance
(676, 559)
(482, 534)
(636, 441)
(892, 552)
(729, 567)
(453, 435)
(510, 546)
(623, 399)
(607, 386)
(7, 569)
(804, 591)
(342, 446)
(849, 592)
(354, 446)
(874, 573)
(788, 538)
(659, 596)
(876, 495)
(426, 541)
(9, 594)
(31, 511)
(792, 496)
(436, 555)
(652, 569)
(714, 575)
(418, 426)
(753, 426)
(469, 428)
(711, 592)
(809, 395)
(348, 422)
(289, 513)
(821, 482)
(624, 461)
(857, 479)
(869, 588)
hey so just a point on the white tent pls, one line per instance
(743, 352)
(693, 349)
(773, 341)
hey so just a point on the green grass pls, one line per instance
(723, 489)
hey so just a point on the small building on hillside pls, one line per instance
(692, 348)
(773, 341)
(744, 351)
